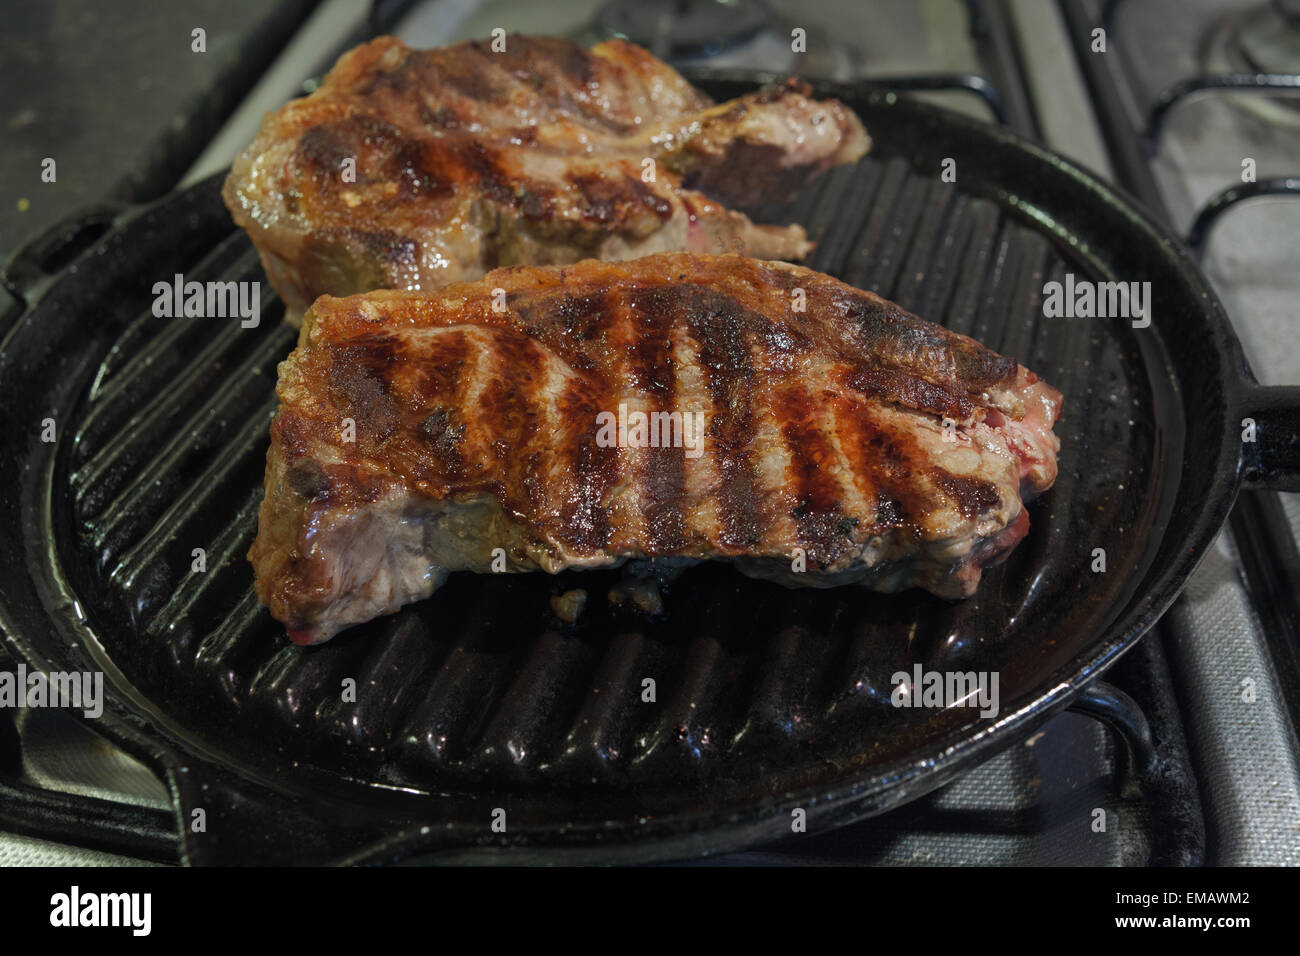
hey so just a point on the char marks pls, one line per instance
(719, 324)
(435, 379)
(823, 527)
(807, 443)
(891, 385)
(899, 340)
(432, 448)
(891, 472)
(358, 383)
(381, 154)
(611, 199)
(415, 169)
(971, 496)
(459, 406)
(652, 372)
(584, 513)
(509, 398)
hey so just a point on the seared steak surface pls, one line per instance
(842, 439)
(412, 169)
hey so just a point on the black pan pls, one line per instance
(478, 699)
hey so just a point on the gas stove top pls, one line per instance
(1190, 742)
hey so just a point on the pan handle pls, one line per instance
(57, 246)
(1270, 433)
(106, 825)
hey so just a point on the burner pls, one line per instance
(1263, 39)
(1269, 38)
(679, 29)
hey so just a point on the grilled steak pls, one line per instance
(414, 169)
(424, 433)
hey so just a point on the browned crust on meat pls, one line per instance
(452, 400)
(462, 159)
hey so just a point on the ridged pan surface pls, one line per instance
(480, 697)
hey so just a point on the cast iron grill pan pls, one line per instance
(479, 698)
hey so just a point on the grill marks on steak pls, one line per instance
(466, 159)
(476, 430)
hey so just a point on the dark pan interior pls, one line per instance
(480, 685)
(480, 693)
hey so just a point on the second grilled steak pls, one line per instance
(424, 433)
(411, 169)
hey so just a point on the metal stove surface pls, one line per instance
(1032, 803)
(1236, 620)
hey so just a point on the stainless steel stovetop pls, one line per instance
(1031, 804)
